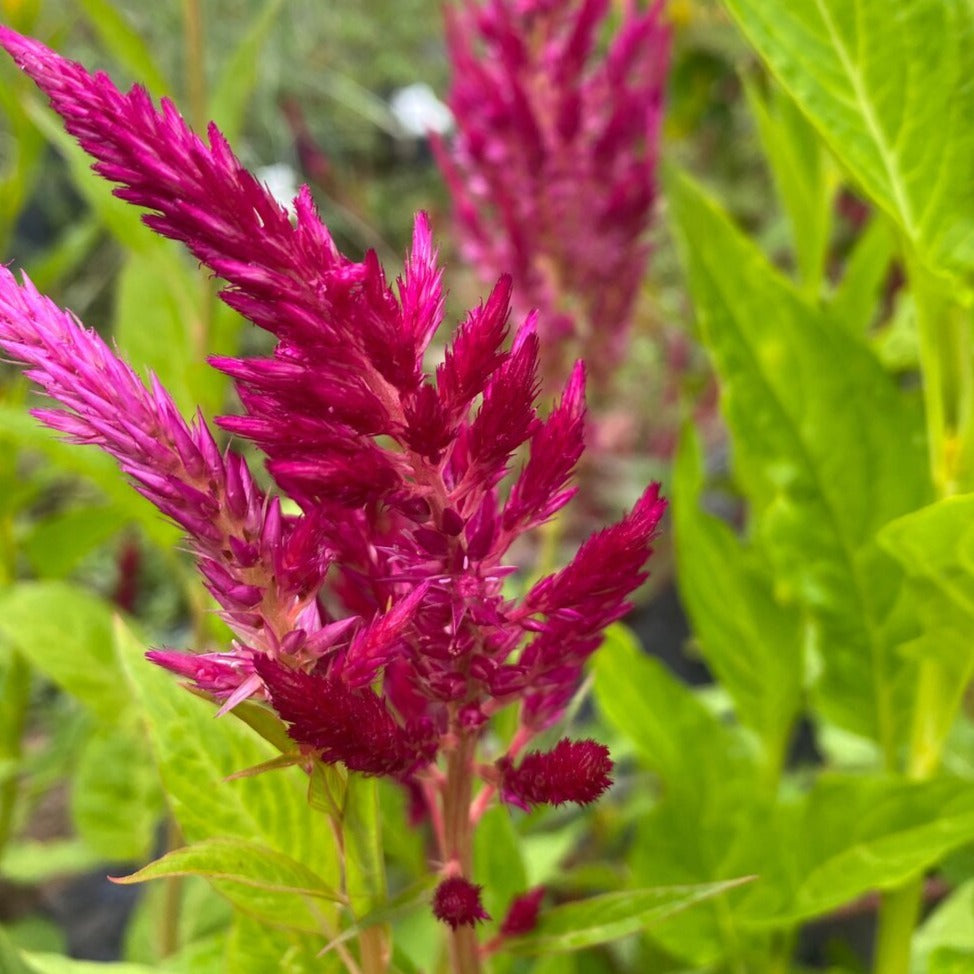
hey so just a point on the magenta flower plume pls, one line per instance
(552, 169)
(572, 771)
(403, 532)
(457, 902)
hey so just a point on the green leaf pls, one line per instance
(801, 396)
(694, 753)
(497, 861)
(752, 644)
(803, 175)
(66, 633)
(935, 547)
(950, 927)
(11, 961)
(33, 861)
(238, 74)
(951, 960)
(119, 218)
(58, 542)
(888, 88)
(74, 246)
(263, 882)
(255, 948)
(854, 301)
(160, 328)
(602, 919)
(18, 428)
(59, 964)
(125, 44)
(851, 835)
(365, 871)
(116, 801)
(196, 752)
(203, 922)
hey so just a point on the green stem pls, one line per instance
(172, 898)
(16, 698)
(897, 918)
(195, 62)
(947, 366)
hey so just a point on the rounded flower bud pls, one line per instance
(572, 771)
(457, 902)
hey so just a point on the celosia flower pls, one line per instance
(522, 914)
(395, 471)
(572, 771)
(457, 902)
(552, 170)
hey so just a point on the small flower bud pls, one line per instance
(522, 914)
(572, 771)
(457, 902)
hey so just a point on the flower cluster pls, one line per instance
(552, 170)
(410, 644)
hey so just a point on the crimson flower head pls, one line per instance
(572, 771)
(553, 166)
(373, 620)
(456, 901)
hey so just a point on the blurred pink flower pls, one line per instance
(553, 166)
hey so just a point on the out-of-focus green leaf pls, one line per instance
(167, 321)
(196, 752)
(261, 881)
(238, 74)
(935, 546)
(803, 175)
(949, 930)
(22, 149)
(888, 88)
(693, 752)
(497, 861)
(853, 304)
(59, 964)
(57, 261)
(125, 44)
(753, 644)
(11, 961)
(256, 948)
(711, 791)
(602, 919)
(555, 964)
(18, 428)
(159, 327)
(851, 835)
(120, 218)
(36, 862)
(57, 543)
(116, 802)
(365, 871)
(801, 396)
(204, 920)
(66, 633)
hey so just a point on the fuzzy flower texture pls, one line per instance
(399, 657)
(553, 167)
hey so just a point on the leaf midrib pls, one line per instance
(886, 154)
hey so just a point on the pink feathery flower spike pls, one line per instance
(553, 166)
(402, 529)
